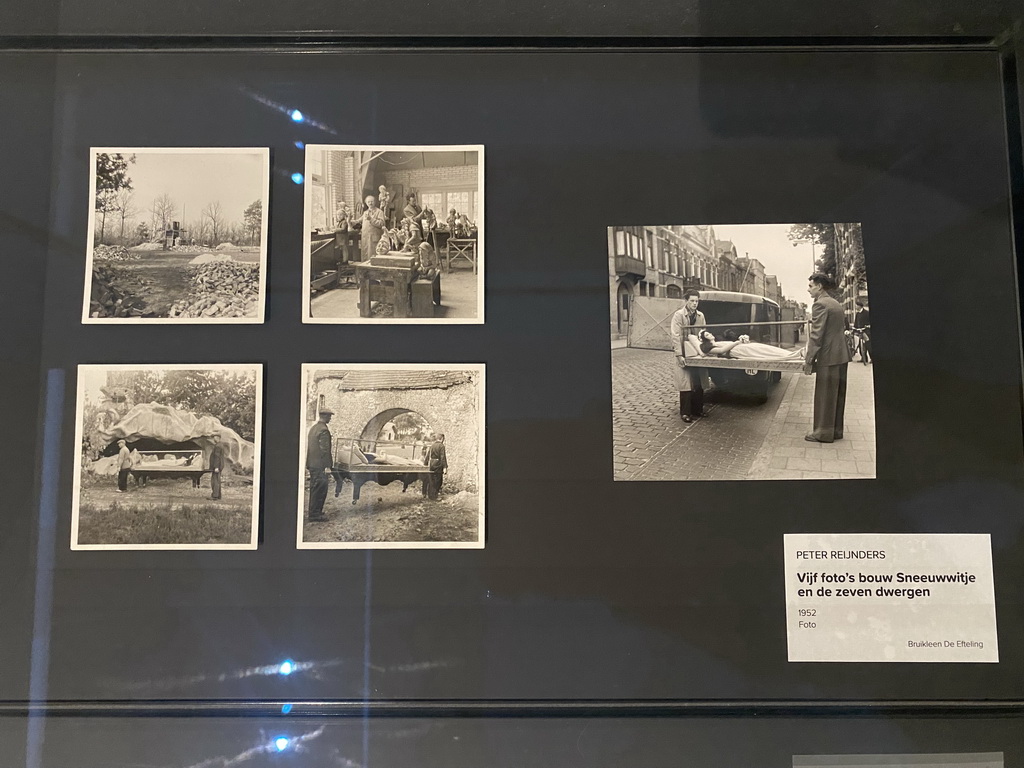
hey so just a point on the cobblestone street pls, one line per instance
(739, 440)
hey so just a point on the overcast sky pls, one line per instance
(194, 180)
(769, 244)
(91, 381)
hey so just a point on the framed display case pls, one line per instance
(250, 263)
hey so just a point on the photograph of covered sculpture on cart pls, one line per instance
(168, 457)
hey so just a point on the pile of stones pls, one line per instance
(113, 253)
(220, 289)
(110, 297)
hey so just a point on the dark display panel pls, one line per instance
(586, 588)
(900, 742)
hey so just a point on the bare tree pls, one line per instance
(105, 204)
(213, 213)
(162, 211)
(126, 210)
(199, 230)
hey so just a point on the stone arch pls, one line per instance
(360, 414)
(376, 424)
(673, 291)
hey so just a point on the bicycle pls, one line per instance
(858, 339)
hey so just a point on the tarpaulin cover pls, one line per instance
(171, 425)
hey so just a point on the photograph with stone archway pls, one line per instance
(391, 456)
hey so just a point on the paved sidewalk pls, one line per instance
(785, 454)
(651, 442)
(740, 440)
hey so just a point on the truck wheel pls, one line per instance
(761, 390)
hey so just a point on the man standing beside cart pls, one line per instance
(690, 382)
(124, 466)
(828, 357)
(437, 463)
(216, 467)
(318, 462)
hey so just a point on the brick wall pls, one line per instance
(342, 175)
(451, 410)
(417, 179)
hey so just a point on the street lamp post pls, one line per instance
(814, 252)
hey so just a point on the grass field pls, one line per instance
(164, 276)
(160, 278)
(164, 512)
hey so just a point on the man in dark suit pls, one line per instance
(828, 356)
(216, 467)
(437, 463)
(318, 461)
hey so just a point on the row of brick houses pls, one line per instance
(664, 261)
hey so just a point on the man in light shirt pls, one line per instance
(124, 466)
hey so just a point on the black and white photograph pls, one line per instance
(741, 352)
(177, 234)
(167, 457)
(391, 456)
(394, 234)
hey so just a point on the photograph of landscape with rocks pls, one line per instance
(177, 234)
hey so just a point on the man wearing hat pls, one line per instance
(318, 461)
(124, 466)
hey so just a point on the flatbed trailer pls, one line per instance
(143, 475)
(145, 470)
(381, 474)
(745, 377)
(793, 366)
(371, 471)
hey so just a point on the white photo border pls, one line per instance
(264, 153)
(480, 369)
(254, 368)
(481, 217)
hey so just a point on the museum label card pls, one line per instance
(890, 597)
(939, 760)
